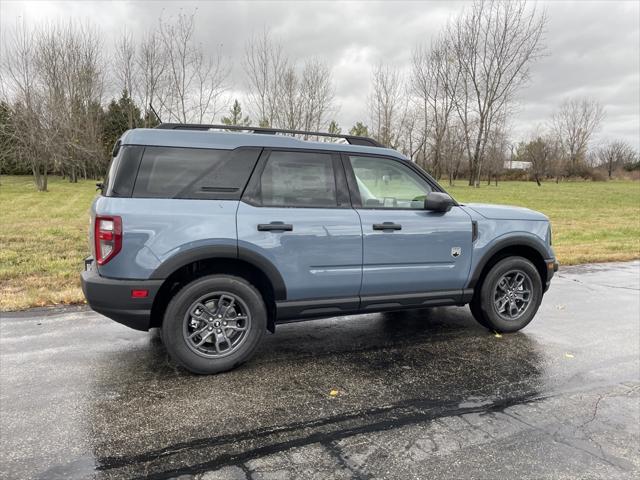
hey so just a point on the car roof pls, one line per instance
(231, 140)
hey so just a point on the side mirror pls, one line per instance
(438, 202)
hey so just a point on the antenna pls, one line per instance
(154, 112)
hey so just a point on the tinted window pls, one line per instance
(167, 172)
(296, 179)
(122, 174)
(384, 183)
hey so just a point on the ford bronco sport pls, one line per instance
(215, 237)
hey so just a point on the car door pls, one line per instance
(296, 212)
(406, 250)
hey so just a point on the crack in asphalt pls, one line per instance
(356, 473)
(558, 437)
(403, 414)
(385, 418)
(588, 285)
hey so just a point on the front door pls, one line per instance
(296, 213)
(407, 250)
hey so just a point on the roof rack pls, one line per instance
(351, 139)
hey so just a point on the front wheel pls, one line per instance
(214, 324)
(509, 296)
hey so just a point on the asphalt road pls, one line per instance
(425, 394)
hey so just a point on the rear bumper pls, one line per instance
(112, 298)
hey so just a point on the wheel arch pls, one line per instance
(516, 246)
(187, 266)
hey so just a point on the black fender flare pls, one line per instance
(512, 241)
(207, 252)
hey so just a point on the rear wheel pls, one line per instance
(509, 296)
(214, 324)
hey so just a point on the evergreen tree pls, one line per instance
(360, 130)
(115, 120)
(334, 128)
(235, 116)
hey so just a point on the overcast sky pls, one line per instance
(593, 47)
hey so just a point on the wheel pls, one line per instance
(474, 306)
(214, 324)
(509, 295)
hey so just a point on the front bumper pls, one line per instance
(113, 298)
(552, 268)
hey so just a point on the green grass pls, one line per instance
(43, 236)
(591, 221)
(43, 239)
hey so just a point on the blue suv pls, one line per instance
(215, 237)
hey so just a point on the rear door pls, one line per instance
(407, 250)
(296, 212)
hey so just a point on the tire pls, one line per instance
(500, 285)
(192, 329)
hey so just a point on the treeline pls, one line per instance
(449, 111)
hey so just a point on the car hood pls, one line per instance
(505, 212)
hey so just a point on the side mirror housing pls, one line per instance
(438, 202)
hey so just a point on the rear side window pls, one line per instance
(297, 179)
(122, 172)
(167, 172)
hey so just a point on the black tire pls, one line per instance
(483, 306)
(474, 306)
(177, 318)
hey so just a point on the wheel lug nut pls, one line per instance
(224, 323)
(219, 331)
(210, 328)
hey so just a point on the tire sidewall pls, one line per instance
(487, 306)
(172, 325)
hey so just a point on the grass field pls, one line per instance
(43, 236)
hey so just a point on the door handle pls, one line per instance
(387, 226)
(275, 227)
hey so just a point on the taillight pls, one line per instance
(107, 238)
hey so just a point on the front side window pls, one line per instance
(298, 179)
(384, 183)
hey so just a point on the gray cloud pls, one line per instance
(593, 47)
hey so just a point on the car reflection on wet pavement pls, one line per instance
(422, 394)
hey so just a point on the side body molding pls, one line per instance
(208, 252)
(519, 240)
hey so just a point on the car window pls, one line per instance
(168, 172)
(298, 179)
(384, 183)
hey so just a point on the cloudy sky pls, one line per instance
(593, 47)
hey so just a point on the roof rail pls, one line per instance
(351, 139)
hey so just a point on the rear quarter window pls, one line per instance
(122, 172)
(168, 172)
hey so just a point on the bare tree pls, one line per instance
(283, 95)
(55, 75)
(195, 81)
(434, 83)
(574, 124)
(20, 78)
(453, 151)
(496, 153)
(151, 63)
(126, 68)
(317, 95)
(495, 43)
(539, 151)
(266, 68)
(384, 104)
(615, 155)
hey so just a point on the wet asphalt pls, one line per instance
(424, 394)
